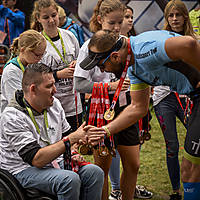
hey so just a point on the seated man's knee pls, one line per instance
(93, 172)
(68, 181)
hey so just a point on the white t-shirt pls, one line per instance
(17, 130)
(11, 81)
(159, 93)
(65, 91)
(94, 75)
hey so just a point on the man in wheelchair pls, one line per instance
(32, 147)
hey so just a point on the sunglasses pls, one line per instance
(102, 66)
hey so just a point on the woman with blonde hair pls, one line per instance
(109, 15)
(62, 50)
(169, 105)
(28, 48)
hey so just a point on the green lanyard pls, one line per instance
(35, 123)
(20, 64)
(54, 46)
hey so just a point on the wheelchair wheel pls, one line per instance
(10, 189)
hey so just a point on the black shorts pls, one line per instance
(128, 136)
(192, 141)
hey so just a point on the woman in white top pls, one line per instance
(62, 51)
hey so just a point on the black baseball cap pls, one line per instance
(94, 58)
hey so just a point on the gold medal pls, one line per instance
(103, 151)
(84, 149)
(109, 115)
(112, 152)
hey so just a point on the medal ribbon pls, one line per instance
(99, 101)
(122, 78)
(107, 106)
(35, 123)
(20, 64)
(107, 101)
(54, 46)
(100, 105)
(188, 108)
(93, 105)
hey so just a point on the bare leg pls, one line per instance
(190, 172)
(104, 163)
(184, 48)
(130, 162)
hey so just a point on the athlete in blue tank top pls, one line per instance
(156, 58)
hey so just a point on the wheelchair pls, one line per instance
(10, 189)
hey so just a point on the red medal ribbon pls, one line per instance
(122, 78)
(76, 104)
(93, 105)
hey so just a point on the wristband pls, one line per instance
(108, 134)
(66, 142)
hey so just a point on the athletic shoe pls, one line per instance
(175, 196)
(142, 193)
(115, 195)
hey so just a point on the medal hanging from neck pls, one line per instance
(99, 102)
(110, 113)
(86, 149)
(102, 149)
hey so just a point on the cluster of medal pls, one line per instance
(103, 150)
(144, 135)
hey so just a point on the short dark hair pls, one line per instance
(33, 74)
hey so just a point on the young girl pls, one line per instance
(28, 48)
(62, 51)
(127, 25)
(109, 14)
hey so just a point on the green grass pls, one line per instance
(153, 169)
